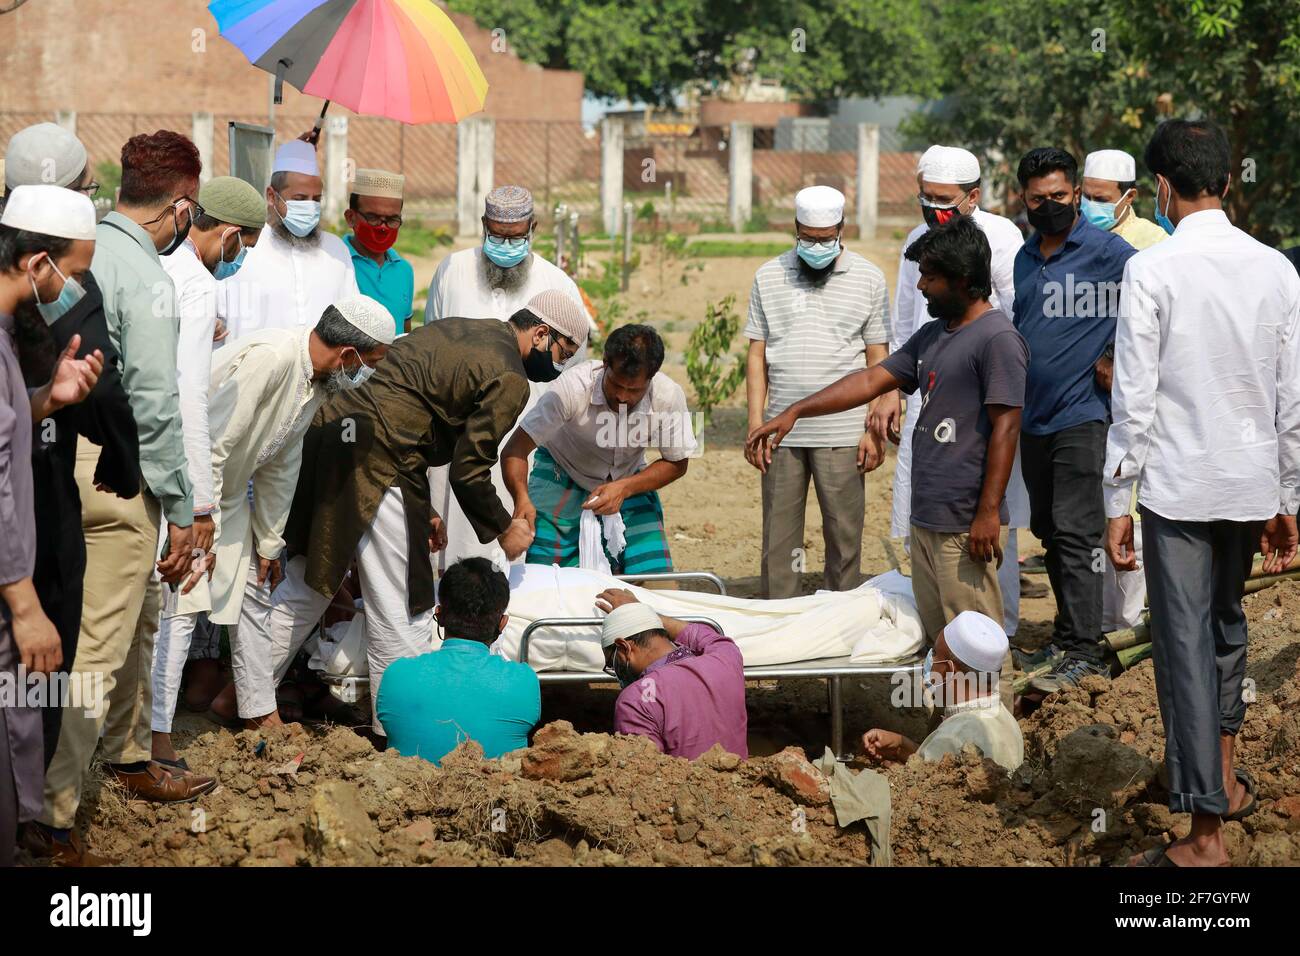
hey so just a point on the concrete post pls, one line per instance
(611, 174)
(338, 167)
(740, 179)
(67, 119)
(868, 179)
(201, 132)
(475, 145)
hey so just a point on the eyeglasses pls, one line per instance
(195, 209)
(90, 189)
(372, 219)
(564, 342)
(512, 241)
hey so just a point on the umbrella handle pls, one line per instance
(320, 120)
(280, 69)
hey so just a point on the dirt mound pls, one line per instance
(297, 796)
(1091, 792)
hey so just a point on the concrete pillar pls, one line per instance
(740, 178)
(202, 134)
(338, 167)
(475, 159)
(868, 179)
(67, 119)
(611, 174)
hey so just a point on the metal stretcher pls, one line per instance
(833, 669)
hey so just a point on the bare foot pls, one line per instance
(267, 720)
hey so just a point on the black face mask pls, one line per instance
(1051, 218)
(540, 367)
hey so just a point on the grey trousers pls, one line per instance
(841, 496)
(1195, 573)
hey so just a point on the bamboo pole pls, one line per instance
(1130, 656)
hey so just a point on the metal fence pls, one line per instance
(684, 176)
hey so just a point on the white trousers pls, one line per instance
(391, 630)
(181, 638)
(1123, 593)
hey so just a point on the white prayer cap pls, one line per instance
(951, 165)
(927, 157)
(367, 315)
(44, 154)
(977, 641)
(379, 183)
(50, 211)
(819, 206)
(1112, 164)
(628, 620)
(296, 156)
(561, 313)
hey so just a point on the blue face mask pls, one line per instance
(818, 255)
(69, 296)
(1162, 220)
(1100, 214)
(506, 253)
(226, 269)
(301, 216)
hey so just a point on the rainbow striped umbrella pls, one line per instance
(403, 59)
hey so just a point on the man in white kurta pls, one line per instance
(952, 173)
(484, 283)
(297, 269)
(233, 216)
(265, 389)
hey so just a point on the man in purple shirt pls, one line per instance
(683, 684)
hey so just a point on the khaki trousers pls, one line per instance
(119, 621)
(841, 495)
(947, 581)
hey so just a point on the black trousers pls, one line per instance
(1062, 474)
(1196, 573)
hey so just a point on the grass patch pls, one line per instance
(716, 248)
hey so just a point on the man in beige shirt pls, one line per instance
(591, 498)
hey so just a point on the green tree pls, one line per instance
(652, 51)
(1095, 74)
(715, 373)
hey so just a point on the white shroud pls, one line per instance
(875, 622)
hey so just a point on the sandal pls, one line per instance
(232, 723)
(1245, 778)
(1157, 857)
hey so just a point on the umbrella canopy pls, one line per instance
(403, 59)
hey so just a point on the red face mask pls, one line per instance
(374, 238)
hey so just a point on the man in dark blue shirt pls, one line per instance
(1067, 298)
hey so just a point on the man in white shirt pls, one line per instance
(265, 390)
(591, 498)
(949, 182)
(492, 280)
(231, 219)
(816, 313)
(1206, 422)
(297, 269)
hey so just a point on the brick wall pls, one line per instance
(143, 56)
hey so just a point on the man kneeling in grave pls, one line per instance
(591, 499)
(961, 675)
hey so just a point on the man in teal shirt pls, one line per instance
(429, 704)
(374, 215)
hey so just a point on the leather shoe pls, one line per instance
(156, 783)
(40, 843)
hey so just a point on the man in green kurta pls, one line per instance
(447, 394)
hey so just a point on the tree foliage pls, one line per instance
(1095, 74)
(629, 49)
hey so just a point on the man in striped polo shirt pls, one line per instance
(816, 313)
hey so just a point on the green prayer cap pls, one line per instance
(230, 199)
